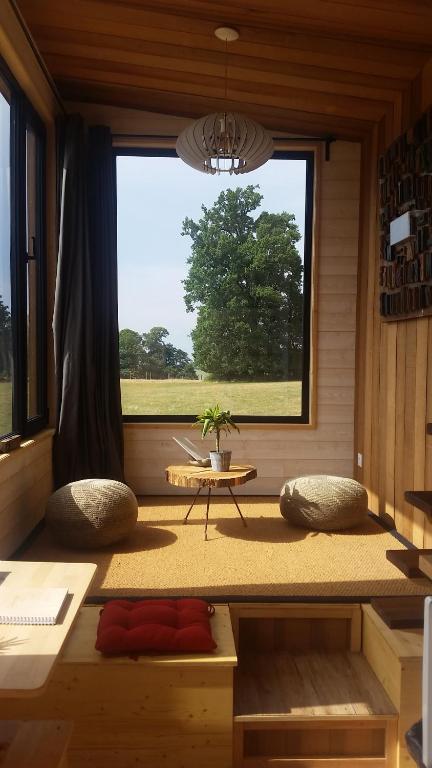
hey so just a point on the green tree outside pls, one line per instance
(245, 281)
(148, 355)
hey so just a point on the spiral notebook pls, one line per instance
(31, 605)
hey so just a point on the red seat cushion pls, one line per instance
(175, 626)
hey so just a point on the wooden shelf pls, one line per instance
(400, 612)
(283, 686)
(407, 560)
(421, 500)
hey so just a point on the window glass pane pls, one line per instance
(5, 274)
(211, 273)
(32, 267)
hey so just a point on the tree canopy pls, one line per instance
(245, 281)
(150, 355)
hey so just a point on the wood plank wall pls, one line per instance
(394, 363)
(284, 452)
(25, 485)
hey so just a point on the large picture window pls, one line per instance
(23, 408)
(214, 288)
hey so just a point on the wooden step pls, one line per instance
(311, 710)
(281, 685)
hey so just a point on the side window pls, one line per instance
(6, 359)
(23, 407)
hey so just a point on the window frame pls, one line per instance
(24, 117)
(305, 418)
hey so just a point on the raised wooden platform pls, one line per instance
(315, 687)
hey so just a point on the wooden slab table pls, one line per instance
(28, 652)
(188, 476)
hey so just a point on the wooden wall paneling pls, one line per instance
(268, 625)
(422, 328)
(399, 373)
(375, 415)
(381, 444)
(25, 485)
(390, 423)
(368, 332)
(365, 304)
(428, 450)
(400, 425)
(409, 415)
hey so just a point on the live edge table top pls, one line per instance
(188, 476)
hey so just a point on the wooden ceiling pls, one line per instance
(301, 66)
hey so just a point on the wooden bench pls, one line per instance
(153, 710)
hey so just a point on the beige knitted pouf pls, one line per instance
(92, 513)
(324, 502)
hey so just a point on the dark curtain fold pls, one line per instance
(89, 435)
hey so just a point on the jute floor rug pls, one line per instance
(269, 559)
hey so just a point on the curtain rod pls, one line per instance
(40, 60)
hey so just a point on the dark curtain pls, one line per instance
(89, 436)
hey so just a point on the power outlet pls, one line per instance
(359, 459)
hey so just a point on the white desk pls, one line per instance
(28, 653)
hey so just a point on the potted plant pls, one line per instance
(216, 420)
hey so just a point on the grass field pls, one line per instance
(184, 397)
(5, 407)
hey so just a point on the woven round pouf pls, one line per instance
(324, 502)
(92, 513)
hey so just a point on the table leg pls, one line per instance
(191, 506)
(207, 512)
(238, 508)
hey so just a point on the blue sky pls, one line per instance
(154, 195)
